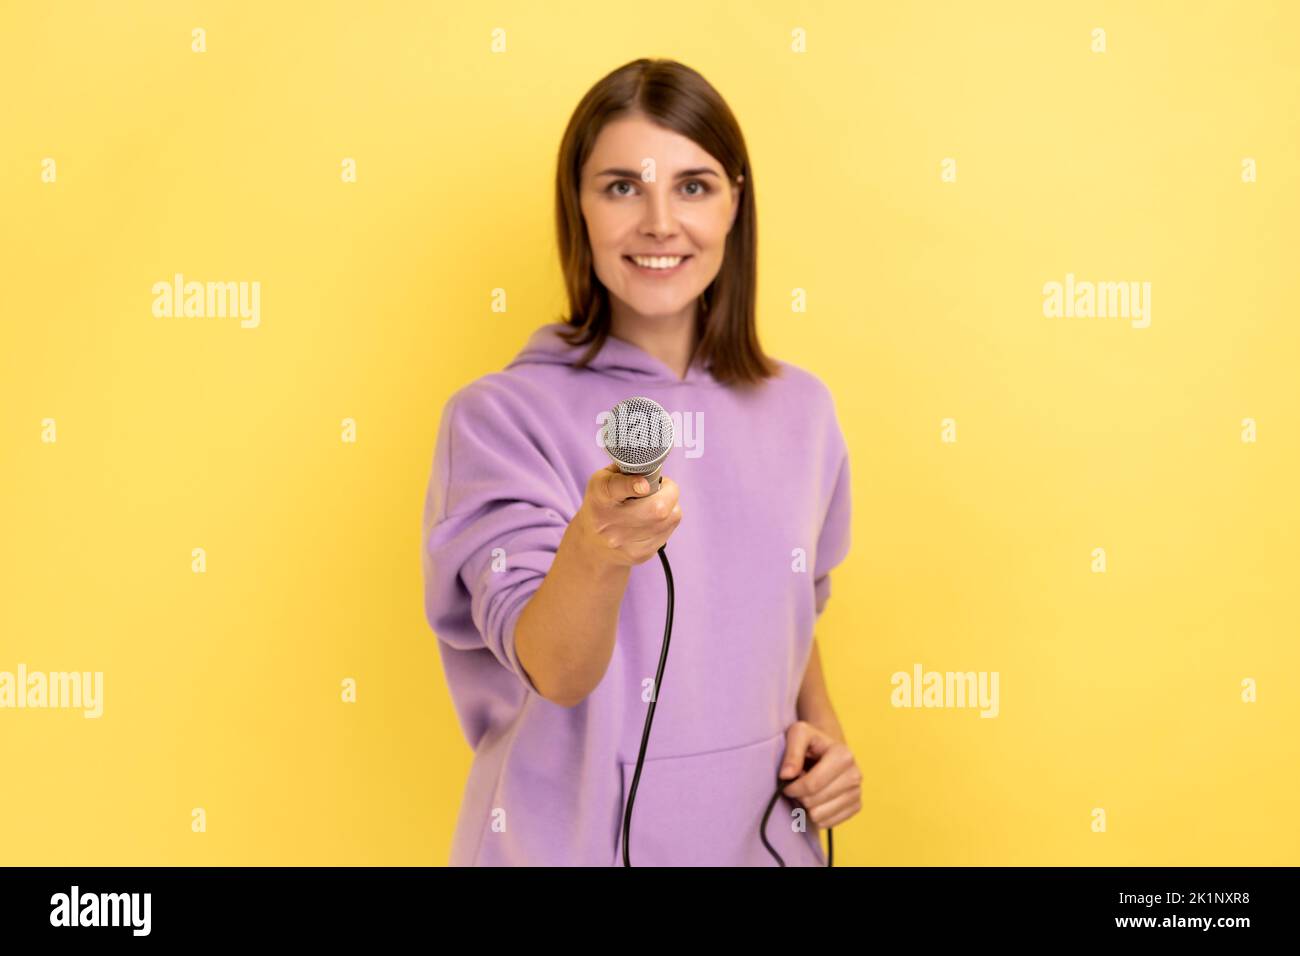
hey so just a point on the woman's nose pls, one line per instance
(658, 219)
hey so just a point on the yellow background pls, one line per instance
(222, 690)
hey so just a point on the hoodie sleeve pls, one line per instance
(834, 539)
(493, 521)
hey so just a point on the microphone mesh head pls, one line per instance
(638, 435)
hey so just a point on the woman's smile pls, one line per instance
(657, 267)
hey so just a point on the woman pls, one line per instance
(550, 623)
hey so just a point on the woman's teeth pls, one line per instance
(657, 262)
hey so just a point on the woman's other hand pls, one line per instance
(831, 790)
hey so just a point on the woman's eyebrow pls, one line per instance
(632, 174)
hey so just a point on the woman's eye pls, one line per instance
(613, 187)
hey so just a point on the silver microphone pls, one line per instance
(638, 436)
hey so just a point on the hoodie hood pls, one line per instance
(617, 359)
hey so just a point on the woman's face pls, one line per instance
(685, 212)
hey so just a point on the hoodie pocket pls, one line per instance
(705, 809)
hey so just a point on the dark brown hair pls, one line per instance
(677, 98)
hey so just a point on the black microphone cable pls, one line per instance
(650, 714)
(645, 739)
(762, 827)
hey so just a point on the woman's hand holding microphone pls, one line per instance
(621, 522)
(564, 637)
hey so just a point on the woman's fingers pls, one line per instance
(830, 790)
(850, 781)
(804, 741)
(836, 811)
(619, 487)
(628, 523)
(833, 762)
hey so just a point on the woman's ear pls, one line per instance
(735, 200)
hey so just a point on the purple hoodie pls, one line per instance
(764, 482)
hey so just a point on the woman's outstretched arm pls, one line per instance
(565, 634)
(564, 637)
